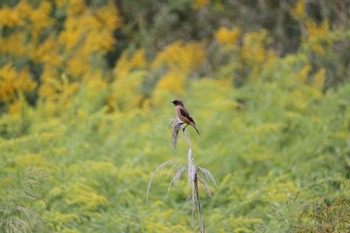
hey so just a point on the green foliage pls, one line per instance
(266, 143)
(84, 115)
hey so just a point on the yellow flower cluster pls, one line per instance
(35, 160)
(87, 35)
(46, 53)
(181, 56)
(40, 19)
(61, 221)
(172, 82)
(9, 18)
(126, 64)
(13, 45)
(304, 74)
(253, 50)
(34, 20)
(298, 12)
(226, 36)
(318, 80)
(178, 59)
(316, 34)
(86, 197)
(13, 83)
(199, 4)
(24, 15)
(129, 74)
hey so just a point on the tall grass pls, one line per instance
(16, 214)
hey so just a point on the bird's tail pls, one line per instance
(194, 126)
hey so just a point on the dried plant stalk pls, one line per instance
(193, 172)
(176, 125)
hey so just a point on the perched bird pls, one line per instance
(183, 115)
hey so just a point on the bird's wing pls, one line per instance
(186, 114)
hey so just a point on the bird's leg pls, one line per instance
(183, 129)
(181, 123)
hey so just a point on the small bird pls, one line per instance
(183, 115)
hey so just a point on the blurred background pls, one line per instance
(85, 101)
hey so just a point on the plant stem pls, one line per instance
(193, 180)
(198, 204)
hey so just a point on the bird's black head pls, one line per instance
(178, 102)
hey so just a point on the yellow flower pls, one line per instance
(318, 79)
(196, 54)
(253, 49)
(76, 7)
(122, 67)
(267, 128)
(13, 44)
(72, 33)
(181, 56)
(198, 4)
(130, 83)
(47, 53)
(298, 99)
(126, 64)
(58, 220)
(61, 3)
(86, 197)
(24, 9)
(138, 60)
(81, 114)
(9, 18)
(315, 33)
(94, 84)
(304, 73)
(49, 85)
(40, 19)
(78, 65)
(299, 12)
(13, 82)
(18, 107)
(170, 55)
(227, 37)
(172, 82)
(109, 16)
(281, 191)
(99, 41)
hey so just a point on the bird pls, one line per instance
(183, 115)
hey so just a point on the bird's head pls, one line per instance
(178, 102)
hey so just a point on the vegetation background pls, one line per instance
(85, 91)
